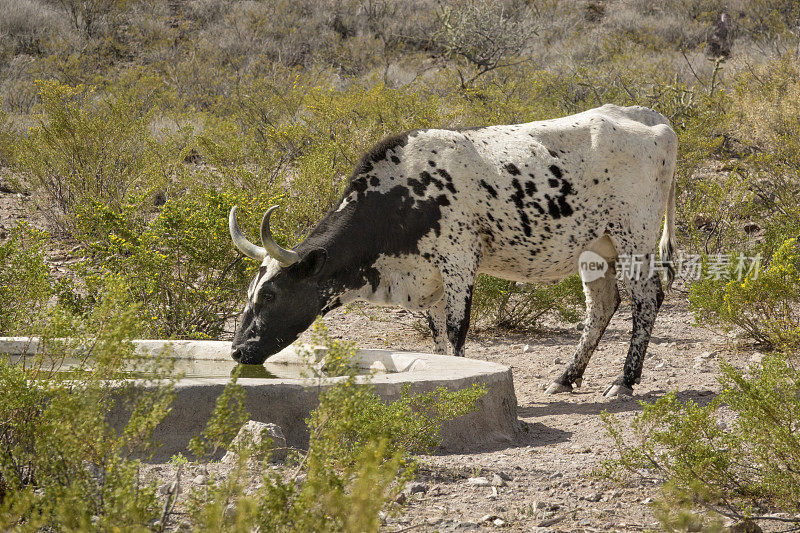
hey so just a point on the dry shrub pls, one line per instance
(767, 108)
(24, 24)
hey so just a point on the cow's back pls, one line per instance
(539, 193)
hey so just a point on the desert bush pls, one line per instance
(88, 16)
(519, 306)
(766, 110)
(61, 465)
(88, 149)
(24, 25)
(25, 282)
(180, 266)
(303, 141)
(770, 19)
(7, 138)
(487, 35)
(763, 303)
(743, 467)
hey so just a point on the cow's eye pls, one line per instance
(267, 296)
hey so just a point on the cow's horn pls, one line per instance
(240, 241)
(283, 256)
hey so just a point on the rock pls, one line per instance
(415, 487)
(557, 361)
(751, 227)
(478, 481)
(756, 358)
(659, 366)
(400, 499)
(593, 497)
(498, 481)
(230, 511)
(647, 500)
(580, 326)
(505, 476)
(169, 487)
(377, 366)
(745, 526)
(551, 521)
(708, 355)
(256, 433)
(527, 348)
(498, 522)
(200, 480)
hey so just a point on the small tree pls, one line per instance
(488, 35)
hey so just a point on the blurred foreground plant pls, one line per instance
(62, 466)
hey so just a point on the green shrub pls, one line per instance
(181, 266)
(61, 465)
(25, 282)
(764, 303)
(714, 469)
(304, 140)
(518, 306)
(89, 149)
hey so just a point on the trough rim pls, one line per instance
(401, 366)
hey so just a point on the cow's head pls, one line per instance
(284, 297)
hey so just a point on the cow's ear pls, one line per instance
(313, 262)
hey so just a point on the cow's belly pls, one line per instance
(546, 261)
(516, 268)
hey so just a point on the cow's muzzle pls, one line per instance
(248, 354)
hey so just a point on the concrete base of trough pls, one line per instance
(288, 402)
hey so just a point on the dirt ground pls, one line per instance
(549, 467)
(544, 477)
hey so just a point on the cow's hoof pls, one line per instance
(556, 388)
(617, 390)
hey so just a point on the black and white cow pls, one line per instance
(426, 211)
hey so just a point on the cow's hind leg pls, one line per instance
(646, 298)
(602, 300)
(437, 321)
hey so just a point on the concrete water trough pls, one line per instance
(287, 387)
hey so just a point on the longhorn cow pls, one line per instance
(425, 211)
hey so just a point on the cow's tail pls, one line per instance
(666, 247)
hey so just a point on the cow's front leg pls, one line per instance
(458, 303)
(437, 321)
(646, 298)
